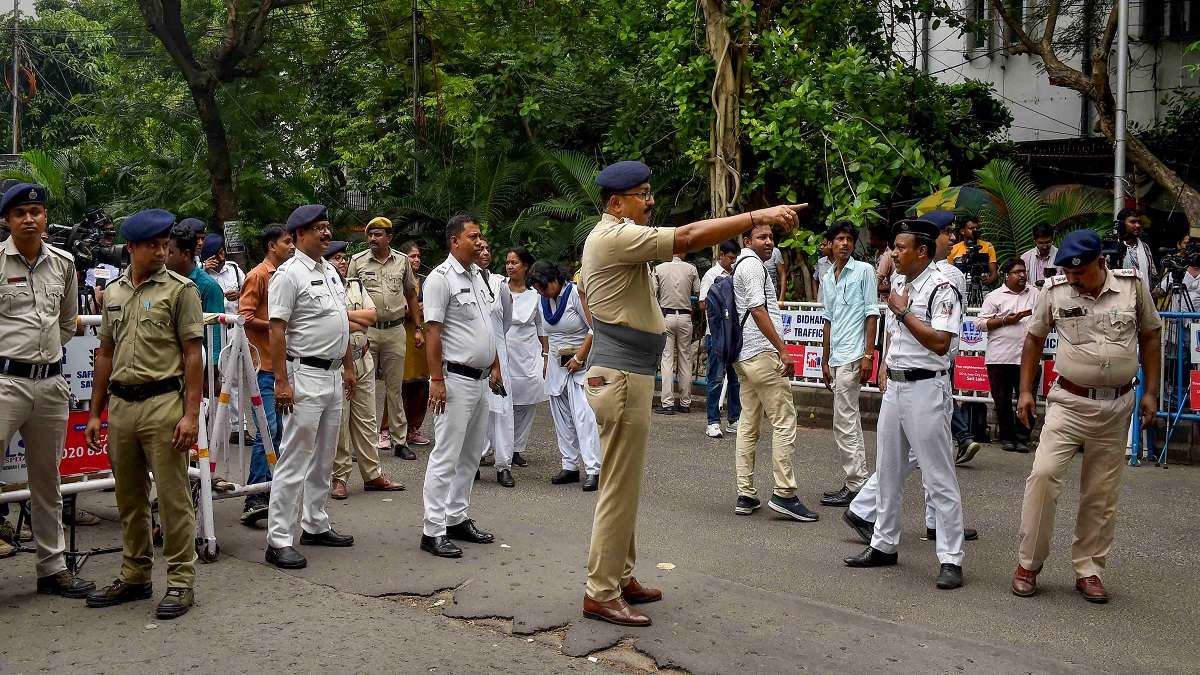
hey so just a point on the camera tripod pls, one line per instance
(975, 290)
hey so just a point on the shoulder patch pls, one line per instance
(360, 254)
(59, 252)
(1055, 280)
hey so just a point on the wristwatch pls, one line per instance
(900, 315)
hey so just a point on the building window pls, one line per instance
(1170, 19)
(979, 14)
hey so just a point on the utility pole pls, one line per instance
(416, 65)
(1121, 105)
(15, 82)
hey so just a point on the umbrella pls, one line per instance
(961, 199)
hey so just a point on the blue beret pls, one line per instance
(1078, 248)
(147, 224)
(194, 224)
(20, 195)
(306, 215)
(919, 227)
(623, 175)
(940, 219)
(212, 244)
(334, 247)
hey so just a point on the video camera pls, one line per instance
(85, 241)
(1176, 261)
(974, 262)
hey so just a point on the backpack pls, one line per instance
(721, 307)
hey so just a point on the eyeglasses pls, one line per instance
(644, 195)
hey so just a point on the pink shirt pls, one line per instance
(1004, 344)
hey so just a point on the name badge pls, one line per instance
(1073, 312)
(368, 275)
(317, 282)
(19, 282)
(113, 308)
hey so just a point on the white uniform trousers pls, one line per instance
(866, 504)
(500, 435)
(575, 425)
(300, 483)
(522, 425)
(915, 417)
(458, 435)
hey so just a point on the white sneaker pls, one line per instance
(713, 430)
(385, 439)
(731, 428)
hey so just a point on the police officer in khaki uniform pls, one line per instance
(678, 281)
(389, 279)
(1104, 318)
(37, 316)
(627, 341)
(150, 361)
(357, 433)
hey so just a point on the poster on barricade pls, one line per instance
(79, 363)
(77, 457)
(1194, 389)
(801, 325)
(970, 374)
(970, 338)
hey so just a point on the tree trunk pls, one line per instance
(725, 153)
(220, 168)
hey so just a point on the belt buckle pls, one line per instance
(898, 375)
(40, 371)
(1104, 393)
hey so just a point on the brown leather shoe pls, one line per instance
(338, 489)
(614, 611)
(1092, 589)
(637, 594)
(382, 484)
(1024, 582)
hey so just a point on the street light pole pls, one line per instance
(15, 85)
(1121, 106)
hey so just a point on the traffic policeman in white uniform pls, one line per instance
(463, 372)
(314, 373)
(38, 300)
(915, 415)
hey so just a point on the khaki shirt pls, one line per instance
(387, 282)
(149, 324)
(38, 304)
(615, 275)
(1097, 337)
(678, 281)
(357, 298)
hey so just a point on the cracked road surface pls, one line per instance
(746, 594)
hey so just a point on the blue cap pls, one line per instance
(1078, 248)
(212, 244)
(940, 219)
(919, 227)
(623, 175)
(147, 224)
(194, 224)
(333, 248)
(20, 195)
(306, 215)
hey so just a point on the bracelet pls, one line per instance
(752, 219)
(438, 379)
(545, 354)
(900, 315)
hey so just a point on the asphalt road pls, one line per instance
(751, 594)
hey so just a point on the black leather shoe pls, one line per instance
(404, 452)
(327, 538)
(591, 483)
(254, 513)
(842, 498)
(286, 558)
(119, 593)
(968, 534)
(563, 477)
(466, 531)
(950, 576)
(175, 603)
(664, 411)
(830, 493)
(440, 546)
(865, 529)
(684, 409)
(872, 557)
(65, 584)
(518, 460)
(504, 478)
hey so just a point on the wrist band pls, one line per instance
(438, 379)
(751, 219)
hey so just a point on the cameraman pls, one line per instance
(1190, 280)
(968, 235)
(1138, 256)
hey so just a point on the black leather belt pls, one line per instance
(1094, 393)
(140, 392)
(33, 371)
(913, 374)
(667, 311)
(465, 371)
(384, 325)
(312, 362)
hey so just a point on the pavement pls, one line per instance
(749, 594)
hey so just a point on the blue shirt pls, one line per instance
(212, 301)
(849, 300)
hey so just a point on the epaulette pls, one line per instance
(1055, 281)
(1124, 272)
(179, 277)
(59, 252)
(360, 254)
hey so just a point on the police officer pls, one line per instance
(678, 281)
(1104, 318)
(314, 374)
(358, 425)
(926, 316)
(150, 361)
(627, 341)
(389, 280)
(464, 370)
(38, 298)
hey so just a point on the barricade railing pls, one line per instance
(1179, 384)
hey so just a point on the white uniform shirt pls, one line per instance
(456, 297)
(751, 289)
(229, 278)
(310, 297)
(1191, 283)
(569, 333)
(931, 289)
(524, 379)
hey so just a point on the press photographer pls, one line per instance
(97, 259)
(1181, 278)
(975, 258)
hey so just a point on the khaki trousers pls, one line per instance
(38, 409)
(765, 391)
(359, 426)
(387, 351)
(139, 441)
(622, 406)
(677, 360)
(847, 423)
(1100, 428)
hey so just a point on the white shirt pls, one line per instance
(310, 297)
(455, 296)
(500, 306)
(710, 277)
(752, 288)
(1004, 344)
(1035, 265)
(111, 273)
(524, 379)
(772, 265)
(229, 278)
(569, 333)
(824, 264)
(930, 290)
(1191, 283)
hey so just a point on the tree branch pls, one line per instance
(1110, 32)
(1051, 23)
(1014, 25)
